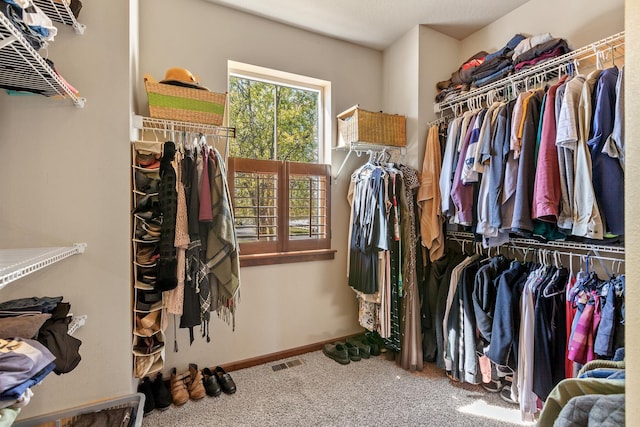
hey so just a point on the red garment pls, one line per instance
(581, 345)
(472, 63)
(546, 189)
(546, 55)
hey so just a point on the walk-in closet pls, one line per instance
(262, 269)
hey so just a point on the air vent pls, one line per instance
(295, 362)
(289, 364)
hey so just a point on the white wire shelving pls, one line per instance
(616, 252)
(612, 46)
(22, 68)
(359, 148)
(18, 263)
(60, 11)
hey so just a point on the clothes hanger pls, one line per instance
(548, 290)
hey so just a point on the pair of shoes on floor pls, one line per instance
(156, 394)
(186, 385)
(342, 352)
(505, 391)
(366, 346)
(376, 342)
(217, 381)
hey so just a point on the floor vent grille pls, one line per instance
(289, 364)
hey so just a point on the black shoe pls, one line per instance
(211, 385)
(505, 394)
(161, 393)
(337, 352)
(492, 386)
(374, 346)
(365, 349)
(146, 388)
(225, 381)
(354, 352)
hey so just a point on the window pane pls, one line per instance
(297, 112)
(273, 121)
(307, 207)
(252, 113)
(256, 206)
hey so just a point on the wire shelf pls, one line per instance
(60, 11)
(548, 70)
(586, 247)
(18, 263)
(163, 125)
(22, 67)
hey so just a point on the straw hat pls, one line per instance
(181, 77)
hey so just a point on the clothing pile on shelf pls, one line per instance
(186, 251)
(548, 164)
(384, 245)
(34, 341)
(483, 68)
(38, 30)
(36, 27)
(518, 328)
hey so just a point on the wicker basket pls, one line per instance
(358, 125)
(184, 104)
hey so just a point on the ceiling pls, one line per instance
(378, 23)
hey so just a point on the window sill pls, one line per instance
(286, 257)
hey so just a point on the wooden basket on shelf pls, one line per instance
(184, 104)
(358, 125)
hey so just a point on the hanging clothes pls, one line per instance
(429, 201)
(608, 176)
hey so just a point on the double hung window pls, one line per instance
(279, 181)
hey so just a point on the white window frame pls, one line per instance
(323, 87)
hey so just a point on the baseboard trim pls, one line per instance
(259, 360)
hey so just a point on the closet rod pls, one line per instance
(550, 65)
(438, 121)
(151, 124)
(359, 147)
(525, 243)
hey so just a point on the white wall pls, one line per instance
(400, 71)
(289, 305)
(65, 175)
(579, 22)
(437, 54)
(632, 210)
(409, 66)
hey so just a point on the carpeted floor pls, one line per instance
(321, 392)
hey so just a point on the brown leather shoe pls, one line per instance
(179, 392)
(196, 388)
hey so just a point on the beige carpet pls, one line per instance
(321, 392)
